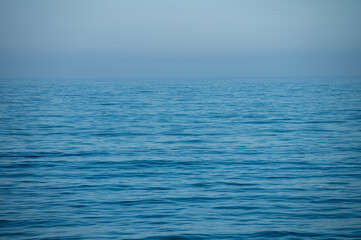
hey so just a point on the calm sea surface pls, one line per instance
(180, 159)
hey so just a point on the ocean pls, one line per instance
(233, 158)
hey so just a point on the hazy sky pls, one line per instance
(169, 38)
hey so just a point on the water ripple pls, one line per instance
(180, 159)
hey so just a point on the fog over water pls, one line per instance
(187, 38)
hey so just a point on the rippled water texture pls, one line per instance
(180, 159)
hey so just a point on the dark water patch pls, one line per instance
(176, 237)
(139, 202)
(237, 184)
(282, 234)
(41, 154)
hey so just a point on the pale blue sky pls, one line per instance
(184, 38)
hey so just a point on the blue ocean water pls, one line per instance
(180, 159)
